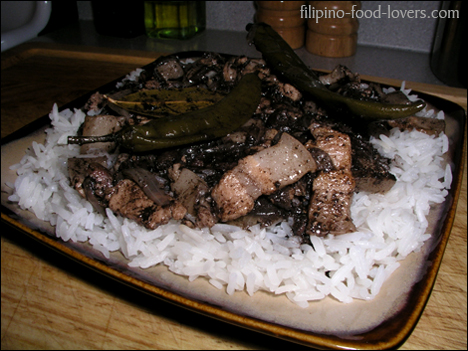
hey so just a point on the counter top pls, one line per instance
(52, 302)
(369, 60)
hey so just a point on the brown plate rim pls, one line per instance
(390, 334)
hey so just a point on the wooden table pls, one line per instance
(51, 302)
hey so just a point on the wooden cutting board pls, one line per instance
(51, 302)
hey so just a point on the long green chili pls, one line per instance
(215, 121)
(279, 55)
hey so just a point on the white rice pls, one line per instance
(346, 267)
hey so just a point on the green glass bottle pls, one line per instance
(174, 19)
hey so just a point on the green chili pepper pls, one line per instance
(215, 121)
(279, 56)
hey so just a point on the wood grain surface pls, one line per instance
(51, 302)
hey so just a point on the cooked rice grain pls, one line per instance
(355, 265)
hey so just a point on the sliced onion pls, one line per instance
(151, 184)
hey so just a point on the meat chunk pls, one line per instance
(97, 186)
(80, 167)
(151, 184)
(101, 125)
(286, 119)
(337, 145)
(170, 69)
(90, 177)
(340, 72)
(329, 211)
(229, 72)
(261, 174)
(192, 193)
(322, 159)
(130, 201)
(101, 181)
(330, 205)
(290, 91)
(264, 212)
(370, 169)
(431, 126)
(95, 102)
(290, 198)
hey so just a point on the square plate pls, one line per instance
(382, 323)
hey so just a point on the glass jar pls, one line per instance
(174, 19)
